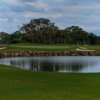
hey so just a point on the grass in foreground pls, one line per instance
(18, 84)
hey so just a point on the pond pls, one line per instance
(79, 64)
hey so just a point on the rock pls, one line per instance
(55, 54)
(34, 53)
(16, 54)
(5, 54)
(91, 53)
(64, 53)
(21, 54)
(8, 54)
(42, 52)
(29, 52)
(50, 53)
(21, 51)
(12, 54)
(27, 55)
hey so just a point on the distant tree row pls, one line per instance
(42, 31)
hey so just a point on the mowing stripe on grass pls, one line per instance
(44, 47)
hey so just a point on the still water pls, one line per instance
(80, 64)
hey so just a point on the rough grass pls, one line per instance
(18, 84)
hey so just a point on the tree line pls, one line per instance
(42, 31)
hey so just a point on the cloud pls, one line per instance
(37, 15)
(67, 2)
(57, 9)
(64, 13)
(28, 0)
(7, 2)
(29, 6)
(38, 5)
(4, 9)
(25, 8)
(71, 2)
(3, 19)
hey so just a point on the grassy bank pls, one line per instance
(18, 84)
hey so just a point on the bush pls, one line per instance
(18, 41)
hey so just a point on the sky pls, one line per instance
(65, 13)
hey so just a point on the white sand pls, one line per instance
(3, 48)
(83, 49)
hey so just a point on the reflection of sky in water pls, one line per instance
(82, 64)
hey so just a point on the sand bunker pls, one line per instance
(3, 48)
(83, 49)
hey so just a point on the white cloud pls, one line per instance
(38, 5)
(15, 2)
(4, 20)
(37, 15)
(90, 28)
(58, 0)
(74, 12)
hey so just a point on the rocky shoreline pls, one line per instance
(43, 53)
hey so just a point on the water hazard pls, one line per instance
(81, 64)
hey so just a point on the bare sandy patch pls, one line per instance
(83, 49)
(3, 48)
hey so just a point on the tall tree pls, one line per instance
(2, 36)
(40, 28)
(78, 35)
(93, 39)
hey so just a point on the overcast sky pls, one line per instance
(65, 13)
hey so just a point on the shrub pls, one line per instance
(17, 41)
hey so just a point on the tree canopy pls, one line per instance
(44, 31)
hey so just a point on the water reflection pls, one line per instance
(57, 64)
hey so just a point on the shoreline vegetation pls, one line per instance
(19, 84)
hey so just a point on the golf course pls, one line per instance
(20, 84)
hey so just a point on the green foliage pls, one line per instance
(42, 31)
(93, 39)
(2, 36)
(16, 35)
(18, 41)
(78, 36)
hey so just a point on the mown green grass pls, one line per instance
(2, 45)
(38, 47)
(94, 47)
(19, 84)
(44, 47)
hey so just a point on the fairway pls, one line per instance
(44, 47)
(38, 47)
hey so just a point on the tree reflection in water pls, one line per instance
(57, 64)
